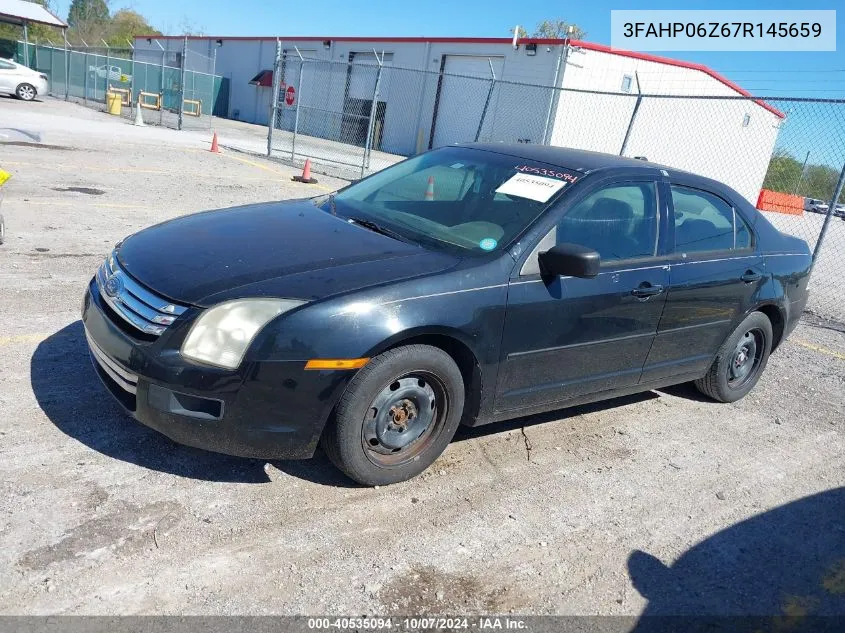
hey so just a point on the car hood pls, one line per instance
(281, 249)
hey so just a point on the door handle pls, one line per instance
(751, 276)
(646, 290)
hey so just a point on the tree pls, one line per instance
(821, 181)
(784, 175)
(125, 24)
(86, 12)
(559, 29)
(88, 21)
(522, 33)
(187, 26)
(556, 29)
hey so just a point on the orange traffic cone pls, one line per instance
(214, 147)
(306, 174)
(429, 191)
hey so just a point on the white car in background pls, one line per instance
(17, 79)
(114, 73)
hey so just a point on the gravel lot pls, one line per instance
(576, 512)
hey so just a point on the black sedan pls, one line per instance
(470, 284)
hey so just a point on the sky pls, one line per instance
(810, 74)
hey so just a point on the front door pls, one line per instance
(715, 272)
(566, 337)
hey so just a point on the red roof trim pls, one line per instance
(498, 40)
(314, 38)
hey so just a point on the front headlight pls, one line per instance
(222, 334)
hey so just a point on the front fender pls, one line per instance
(364, 324)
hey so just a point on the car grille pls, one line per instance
(137, 306)
(122, 377)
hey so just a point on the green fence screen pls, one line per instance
(88, 76)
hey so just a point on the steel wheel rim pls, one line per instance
(27, 93)
(745, 358)
(403, 419)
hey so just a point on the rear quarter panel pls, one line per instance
(790, 275)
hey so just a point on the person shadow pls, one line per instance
(71, 395)
(780, 571)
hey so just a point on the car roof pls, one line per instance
(588, 162)
(579, 159)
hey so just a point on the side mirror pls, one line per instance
(570, 260)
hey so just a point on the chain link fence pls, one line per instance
(353, 119)
(87, 75)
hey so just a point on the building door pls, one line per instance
(358, 100)
(460, 100)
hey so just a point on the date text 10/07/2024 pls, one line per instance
(419, 623)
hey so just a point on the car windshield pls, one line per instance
(469, 199)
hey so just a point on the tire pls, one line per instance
(727, 380)
(397, 415)
(26, 92)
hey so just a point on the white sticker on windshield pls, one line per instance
(536, 188)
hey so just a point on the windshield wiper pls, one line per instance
(378, 228)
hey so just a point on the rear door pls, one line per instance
(716, 270)
(565, 337)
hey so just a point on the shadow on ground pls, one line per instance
(787, 564)
(70, 394)
(468, 433)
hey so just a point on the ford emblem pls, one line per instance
(114, 286)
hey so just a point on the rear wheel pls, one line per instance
(397, 415)
(26, 92)
(740, 361)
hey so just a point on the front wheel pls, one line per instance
(26, 92)
(740, 361)
(397, 415)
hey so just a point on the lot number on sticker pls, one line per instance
(536, 188)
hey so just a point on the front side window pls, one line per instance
(6, 65)
(455, 197)
(618, 221)
(705, 222)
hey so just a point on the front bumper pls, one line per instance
(265, 409)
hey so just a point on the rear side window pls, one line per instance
(705, 222)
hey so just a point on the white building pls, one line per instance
(433, 91)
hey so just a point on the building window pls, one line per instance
(627, 80)
(746, 120)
